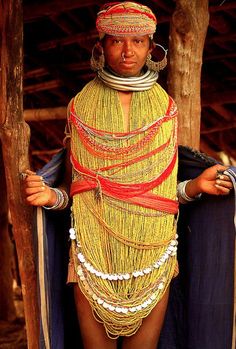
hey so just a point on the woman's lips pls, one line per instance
(128, 63)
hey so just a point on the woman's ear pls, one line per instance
(99, 46)
(97, 50)
(152, 47)
(97, 60)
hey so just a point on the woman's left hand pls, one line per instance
(211, 181)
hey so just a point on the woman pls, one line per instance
(122, 175)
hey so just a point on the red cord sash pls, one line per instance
(138, 194)
(148, 200)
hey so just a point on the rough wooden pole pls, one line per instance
(187, 36)
(14, 135)
(7, 308)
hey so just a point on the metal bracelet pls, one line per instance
(62, 200)
(181, 193)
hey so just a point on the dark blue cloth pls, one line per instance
(200, 310)
(63, 327)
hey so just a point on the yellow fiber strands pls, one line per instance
(124, 254)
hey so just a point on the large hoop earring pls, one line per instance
(97, 60)
(159, 65)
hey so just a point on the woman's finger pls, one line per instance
(29, 172)
(35, 183)
(224, 183)
(33, 178)
(34, 190)
(31, 198)
(223, 190)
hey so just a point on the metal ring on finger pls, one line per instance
(23, 176)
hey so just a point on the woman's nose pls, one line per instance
(128, 49)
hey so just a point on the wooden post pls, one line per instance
(187, 36)
(7, 308)
(14, 135)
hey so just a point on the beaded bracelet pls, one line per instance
(181, 193)
(62, 200)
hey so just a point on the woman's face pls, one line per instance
(126, 55)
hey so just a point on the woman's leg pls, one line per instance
(148, 334)
(92, 332)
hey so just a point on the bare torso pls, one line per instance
(125, 99)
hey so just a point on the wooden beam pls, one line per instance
(57, 72)
(220, 23)
(205, 148)
(14, 136)
(49, 85)
(218, 57)
(45, 114)
(45, 152)
(41, 9)
(220, 109)
(226, 6)
(161, 4)
(80, 38)
(218, 141)
(78, 21)
(220, 128)
(63, 24)
(218, 97)
(222, 39)
(37, 73)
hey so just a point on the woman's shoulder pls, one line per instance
(162, 97)
(161, 91)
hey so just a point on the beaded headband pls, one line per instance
(125, 18)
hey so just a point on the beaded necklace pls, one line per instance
(124, 257)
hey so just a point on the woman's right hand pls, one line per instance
(37, 193)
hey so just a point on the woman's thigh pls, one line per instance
(148, 334)
(93, 333)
